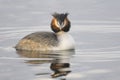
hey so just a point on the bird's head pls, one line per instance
(60, 22)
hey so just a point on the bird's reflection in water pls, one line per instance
(59, 60)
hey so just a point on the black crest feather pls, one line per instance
(60, 16)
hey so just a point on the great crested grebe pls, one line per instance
(59, 40)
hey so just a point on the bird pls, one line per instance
(57, 39)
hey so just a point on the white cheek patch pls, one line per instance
(65, 22)
(57, 24)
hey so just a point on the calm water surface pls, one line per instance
(96, 57)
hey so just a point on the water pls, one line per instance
(95, 28)
(96, 57)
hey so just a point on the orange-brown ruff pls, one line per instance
(59, 40)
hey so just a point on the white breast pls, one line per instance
(65, 41)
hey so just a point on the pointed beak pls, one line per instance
(61, 24)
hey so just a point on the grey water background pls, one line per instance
(95, 28)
